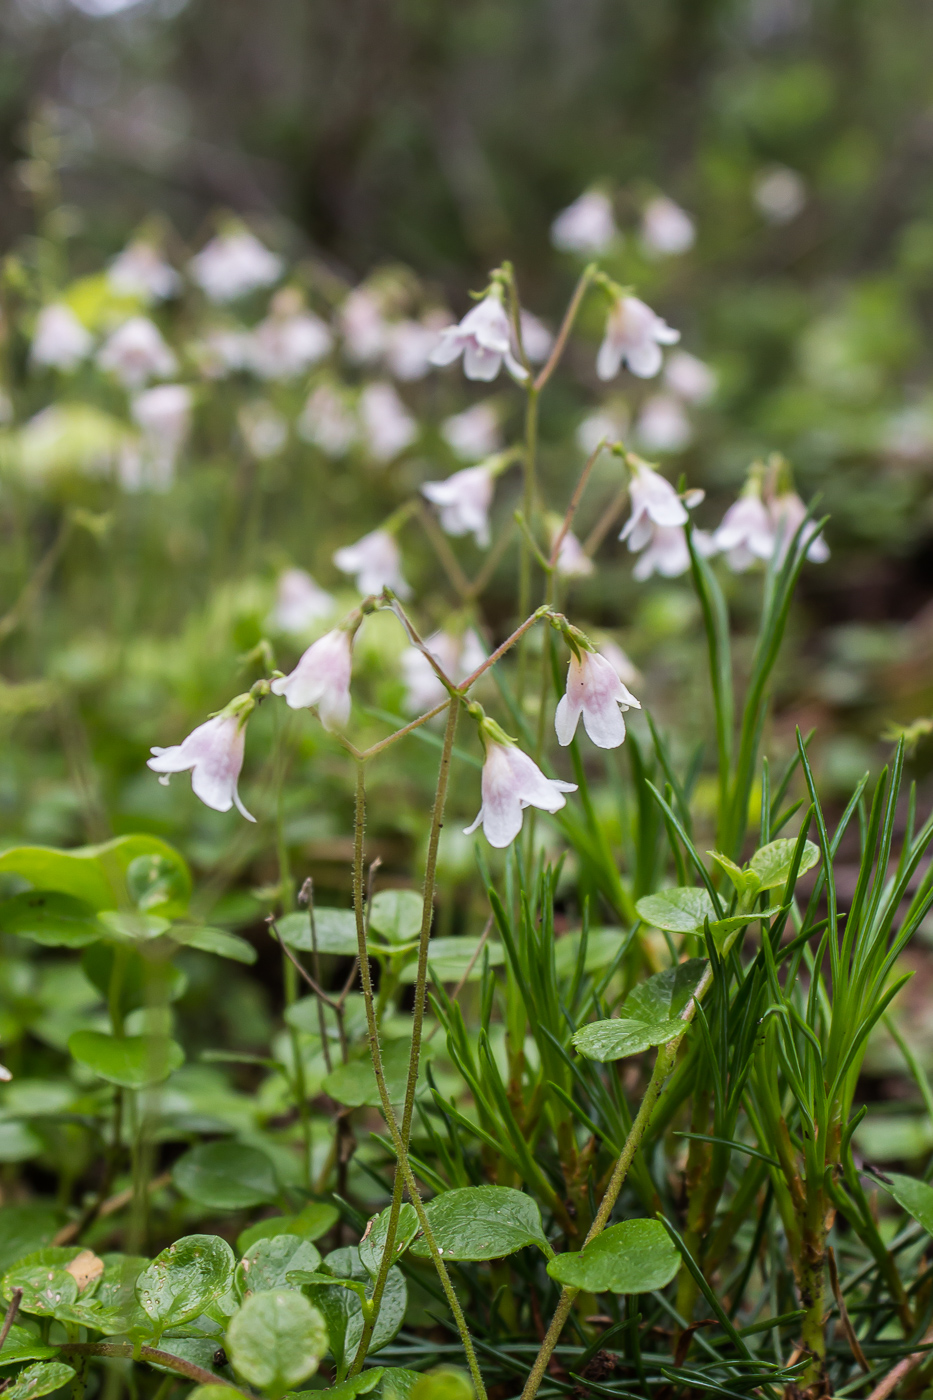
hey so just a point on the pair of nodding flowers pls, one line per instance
(511, 781)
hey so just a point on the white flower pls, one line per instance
(327, 422)
(586, 226)
(634, 335)
(666, 229)
(536, 338)
(458, 657)
(595, 691)
(408, 345)
(60, 341)
(387, 424)
(604, 425)
(362, 325)
(289, 341)
(140, 271)
(136, 353)
(376, 563)
(747, 531)
(474, 433)
(264, 430)
(221, 352)
(511, 782)
(667, 553)
(787, 513)
(214, 755)
(654, 503)
(164, 414)
(572, 562)
(483, 338)
(779, 194)
(464, 500)
(233, 264)
(322, 679)
(299, 602)
(662, 425)
(623, 666)
(689, 377)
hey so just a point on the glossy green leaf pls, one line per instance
(677, 910)
(185, 1280)
(157, 885)
(916, 1197)
(354, 1083)
(346, 1390)
(636, 1256)
(214, 940)
(650, 1015)
(343, 1309)
(443, 1383)
(23, 1345)
(372, 1245)
(43, 1278)
(131, 1061)
(335, 930)
(112, 1307)
(398, 1382)
(95, 874)
(772, 863)
(276, 1340)
(40, 1379)
(53, 919)
(449, 959)
(267, 1262)
(24, 1229)
(482, 1222)
(226, 1176)
(396, 914)
(132, 925)
(314, 1220)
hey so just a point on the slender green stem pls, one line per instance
(153, 1356)
(529, 500)
(401, 1150)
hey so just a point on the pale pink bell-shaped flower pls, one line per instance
(464, 500)
(458, 657)
(408, 345)
(511, 782)
(362, 326)
(164, 415)
(634, 336)
(321, 679)
(264, 430)
(689, 378)
(327, 422)
(585, 226)
(603, 425)
(289, 341)
(141, 271)
(666, 229)
(136, 353)
(572, 561)
(60, 341)
(787, 513)
(474, 433)
(233, 264)
(747, 531)
(214, 755)
(779, 193)
(299, 602)
(483, 338)
(595, 692)
(667, 553)
(375, 562)
(654, 503)
(222, 351)
(536, 338)
(387, 425)
(662, 425)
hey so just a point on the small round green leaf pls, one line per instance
(276, 1340)
(449, 959)
(482, 1222)
(53, 919)
(636, 1256)
(314, 1220)
(40, 1379)
(215, 940)
(226, 1176)
(372, 1245)
(23, 1345)
(265, 1265)
(677, 910)
(772, 863)
(916, 1197)
(185, 1279)
(158, 885)
(396, 914)
(335, 931)
(43, 1278)
(651, 1015)
(345, 1390)
(443, 1383)
(344, 1312)
(131, 1061)
(354, 1083)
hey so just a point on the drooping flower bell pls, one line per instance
(463, 501)
(594, 691)
(299, 602)
(511, 782)
(787, 512)
(141, 271)
(388, 427)
(213, 753)
(289, 341)
(327, 421)
(376, 563)
(689, 378)
(136, 353)
(234, 264)
(634, 336)
(654, 503)
(662, 425)
(474, 433)
(666, 229)
(572, 560)
(585, 226)
(483, 338)
(321, 679)
(747, 532)
(60, 341)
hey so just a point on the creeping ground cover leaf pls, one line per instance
(772, 863)
(372, 1245)
(226, 1176)
(636, 1256)
(130, 1060)
(650, 1015)
(40, 1379)
(99, 875)
(23, 1345)
(342, 1308)
(265, 1264)
(276, 1340)
(684, 910)
(396, 914)
(313, 1221)
(185, 1279)
(53, 919)
(916, 1197)
(346, 1390)
(483, 1222)
(335, 931)
(44, 1278)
